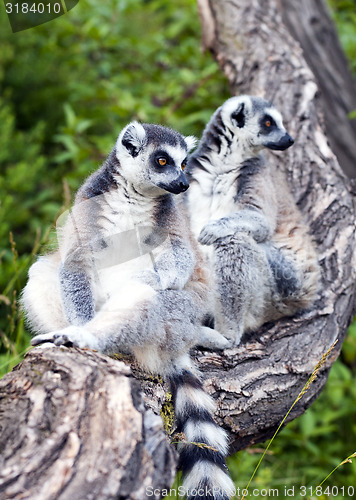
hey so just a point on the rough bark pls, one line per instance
(257, 382)
(73, 425)
(310, 24)
(72, 422)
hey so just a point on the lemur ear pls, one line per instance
(190, 141)
(238, 115)
(133, 138)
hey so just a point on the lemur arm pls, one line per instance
(76, 294)
(174, 262)
(255, 214)
(247, 220)
(171, 269)
(75, 270)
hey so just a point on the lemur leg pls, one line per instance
(104, 332)
(137, 318)
(41, 297)
(291, 285)
(242, 277)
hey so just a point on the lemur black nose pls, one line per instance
(283, 143)
(290, 140)
(178, 185)
(183, 186)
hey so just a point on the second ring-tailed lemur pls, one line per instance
(127, 278)
(261, 256)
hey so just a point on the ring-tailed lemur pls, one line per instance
(127, 278)
(260, 253)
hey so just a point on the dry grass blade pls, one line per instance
(347, 460)
(180, 439)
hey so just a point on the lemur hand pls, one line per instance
(214, 230)
(249, 222)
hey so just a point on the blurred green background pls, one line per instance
(67, 89)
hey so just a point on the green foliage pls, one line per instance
(308, 448)
(67, 88)
(344, 13)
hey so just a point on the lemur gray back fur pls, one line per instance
(127, 277)
(241, 210)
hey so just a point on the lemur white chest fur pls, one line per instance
(123, 251)
(128, 278)
(256, 242)
(214, 197)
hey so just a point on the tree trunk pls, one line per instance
(257, 382)
(308, 21)
(72, 422)
(73, 425)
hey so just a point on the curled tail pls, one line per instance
(202, 456)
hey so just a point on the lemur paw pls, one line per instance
(70, 336)
(212, 339)
(149, 278)
(212, 231)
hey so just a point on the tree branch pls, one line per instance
(73, 425)
(72, 422)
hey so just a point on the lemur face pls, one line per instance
(153, 158)
(255, 123)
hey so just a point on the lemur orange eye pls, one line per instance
(162, 161)
(268, 123)
(183, 166)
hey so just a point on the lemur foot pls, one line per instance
(212, 339)
(233, 335)
(70, 336)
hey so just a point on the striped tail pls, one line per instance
(205, 474)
